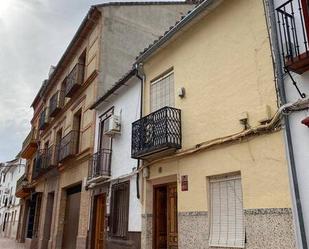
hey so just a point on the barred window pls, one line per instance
(120, 209)
(226, 212)
(162, 92)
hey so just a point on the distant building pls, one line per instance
(10, 172)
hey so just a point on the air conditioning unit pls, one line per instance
(112, 125)
(6, 190)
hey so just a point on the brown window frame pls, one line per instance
(124, 210)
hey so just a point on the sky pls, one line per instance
(33, 36)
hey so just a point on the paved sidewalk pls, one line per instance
(10, 244)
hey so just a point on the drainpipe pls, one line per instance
(287, 131)
(141, 78)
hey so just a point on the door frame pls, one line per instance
(154, 239)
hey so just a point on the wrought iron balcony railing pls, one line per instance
(29, 145)
(293, 30)
(68, 146)
(43, 121)
(74, 79)
(45, 160)
(157, 132)
(100, 164)
(22, 186)
(56, 103)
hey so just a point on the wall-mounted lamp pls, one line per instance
(181, 92)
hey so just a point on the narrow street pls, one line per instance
(10, 244)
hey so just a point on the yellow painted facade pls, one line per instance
(224, 63)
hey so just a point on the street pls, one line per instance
(10, 244)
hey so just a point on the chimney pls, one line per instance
(51, 70)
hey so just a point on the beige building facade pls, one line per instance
(56, 205)
(214, 168)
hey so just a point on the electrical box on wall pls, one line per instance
(112, 125)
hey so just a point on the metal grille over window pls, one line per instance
(226, 213)
(162, 92)
(120, 209)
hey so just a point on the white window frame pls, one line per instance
(172, 93)
(238, 242)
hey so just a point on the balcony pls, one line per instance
(43, 121)
(68, 146)
(45, 160)
(23, 187)
(29, 145)
(293, 30)
(74, 80)
(56, 103)
(100, 165)
(156, 134)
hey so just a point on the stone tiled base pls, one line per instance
(146, 236)
(192, 230)
(269, 228)
(133, 242)
(81, 242)
(31, 243)
(265, 229)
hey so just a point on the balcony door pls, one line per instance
(162, 92)
(77, 124)
(58, 141)
(105, 142)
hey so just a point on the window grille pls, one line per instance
(120, 210)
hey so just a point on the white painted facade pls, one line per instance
(126, 104)
(299, 132)
(10, 172)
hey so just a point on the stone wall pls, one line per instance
(265, 228)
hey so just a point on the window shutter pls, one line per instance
(226, 213)
(162, 92)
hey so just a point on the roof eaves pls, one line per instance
(142, 3)
(184, 21)
(116, 86)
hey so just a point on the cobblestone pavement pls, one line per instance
(10, 244)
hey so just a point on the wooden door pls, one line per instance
(105, 141)
(172, 224)
(165, 217)
(160, 217)
(99, 224)
(71, 220)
